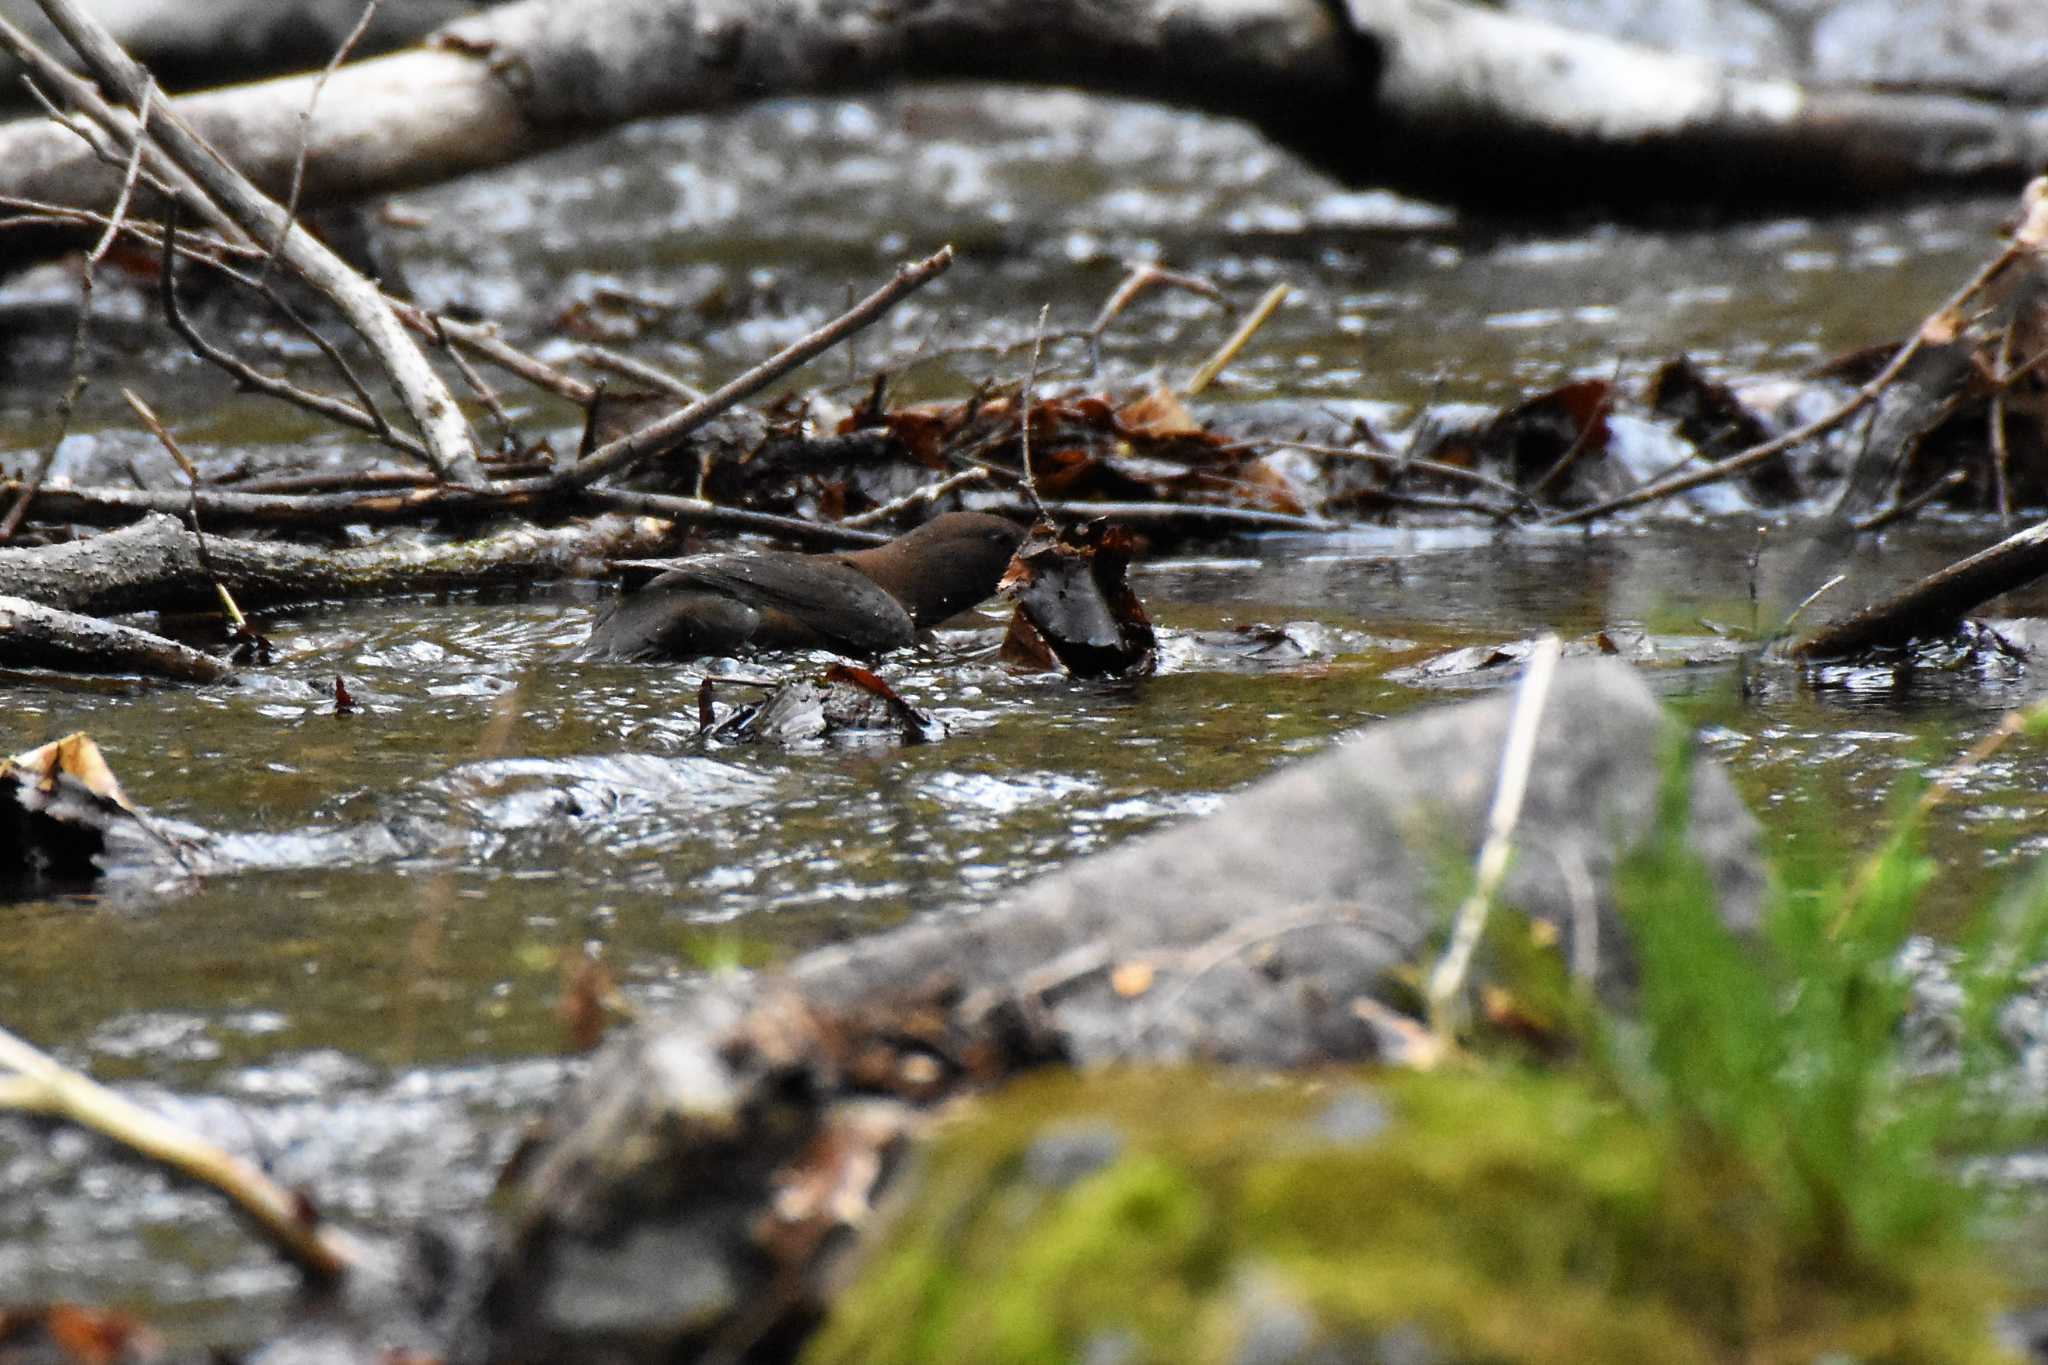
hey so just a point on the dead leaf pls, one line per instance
(1158, 414)
(77, 757)
(1072, 585)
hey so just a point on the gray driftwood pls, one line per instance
(1447, 98)
(156, 563)
(207, 42)
(662, 1209)
(36, 636)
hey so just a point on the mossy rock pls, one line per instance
(1193, 1217)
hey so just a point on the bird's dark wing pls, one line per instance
(715, 604)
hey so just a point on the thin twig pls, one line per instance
(1581, 441)
(916, 497)
(1448, 979)
(484, 343)
(2001, 454)
(365, 419)
(291, 202)
(604, 358)
(1811, 598)
(620, 455)
(164, 438)
(1142, 276)
(1899, 511)
(1239, 339)
(1024, 416)
(197, 246)
(48, 1087)
(697, 512)
(508, 434)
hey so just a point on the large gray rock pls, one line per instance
(1261, 923)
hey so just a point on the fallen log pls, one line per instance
(1433, 96)
(1935, 605)
(662, 1208)
(35, 636)
(188, 44)
(156, 564)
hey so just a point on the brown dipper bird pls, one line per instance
(863, 602)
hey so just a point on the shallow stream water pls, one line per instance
(372, 1008)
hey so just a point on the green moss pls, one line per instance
(1504, 1215)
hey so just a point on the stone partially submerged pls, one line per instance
(685, 1196)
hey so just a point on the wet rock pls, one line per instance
(758, 1123)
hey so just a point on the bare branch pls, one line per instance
(449, 445)
(627, 451)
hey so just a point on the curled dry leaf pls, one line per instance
(1071, 587)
